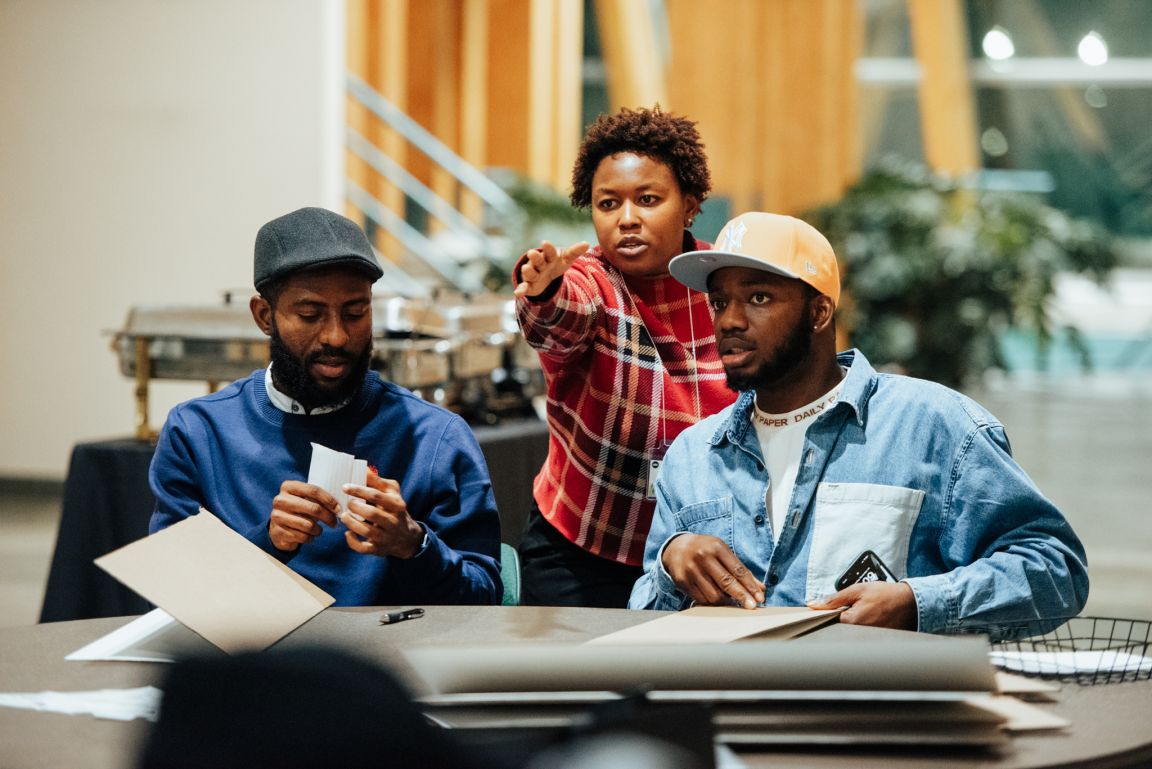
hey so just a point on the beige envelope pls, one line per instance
(217, 583)
(721, 624)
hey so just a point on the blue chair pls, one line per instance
(510, 575)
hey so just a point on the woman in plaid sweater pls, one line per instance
(628, 354)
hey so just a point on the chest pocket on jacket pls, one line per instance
(712, 517)
(853, 517)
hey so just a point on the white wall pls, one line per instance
(142, 144)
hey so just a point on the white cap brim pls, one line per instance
(692, 268)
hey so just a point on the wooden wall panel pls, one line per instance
(473, 84)
(947, 109)
(771, 84)
(632, 58)
(509, 61)
(567, 91)
(498, 81)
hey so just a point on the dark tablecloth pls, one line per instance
(107, 504)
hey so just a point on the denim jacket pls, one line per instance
(911, 470)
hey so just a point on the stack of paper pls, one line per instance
(905, 690)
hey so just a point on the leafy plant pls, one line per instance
(542, 213)
(934, 273)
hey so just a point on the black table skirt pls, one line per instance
(107, 503)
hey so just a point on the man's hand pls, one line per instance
(544, 265)
(297, 512)
(881, 604)
(386, 528)
(707, 571)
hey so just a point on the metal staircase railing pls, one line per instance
(458, 255)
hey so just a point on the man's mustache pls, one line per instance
(328, 353)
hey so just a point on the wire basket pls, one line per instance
(1085, 650)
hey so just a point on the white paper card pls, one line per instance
(1071, 663)
(153, 637)
(113, 704)
(331, 469)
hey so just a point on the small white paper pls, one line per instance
(113, 704)
(1070, 663)
(331, 469)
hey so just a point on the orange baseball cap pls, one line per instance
(771, 242)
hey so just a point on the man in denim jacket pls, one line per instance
(832, 485)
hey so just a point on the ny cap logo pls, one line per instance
(734, 237)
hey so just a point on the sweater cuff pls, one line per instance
(258, 536)
(425, 542)
(429, 560)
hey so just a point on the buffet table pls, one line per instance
(107, 503)
(1109, 722)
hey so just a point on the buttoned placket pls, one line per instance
(818, 444)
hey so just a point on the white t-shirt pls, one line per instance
(781, 442)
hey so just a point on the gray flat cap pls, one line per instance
(311, 237)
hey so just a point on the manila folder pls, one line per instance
(216, 582)
(721, 624)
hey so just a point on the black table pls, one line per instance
(107, 504)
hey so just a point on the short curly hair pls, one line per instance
(670, 139)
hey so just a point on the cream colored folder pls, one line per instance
(721, 624)
(217, 583)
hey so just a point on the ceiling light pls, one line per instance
(998, 44)
(1092, 50)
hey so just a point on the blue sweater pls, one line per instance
(230, 451)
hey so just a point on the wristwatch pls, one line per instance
(424, 542)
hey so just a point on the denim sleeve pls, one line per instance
(1015, 566)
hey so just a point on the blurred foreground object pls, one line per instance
(299, 709)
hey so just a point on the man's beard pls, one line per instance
(291, 374)
(793, 349)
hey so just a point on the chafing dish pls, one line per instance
(417, 364)
(408, 317)
(448, 348)
(213, 343)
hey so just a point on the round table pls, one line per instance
(1111, 724)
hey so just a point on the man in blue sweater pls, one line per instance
(424, 529)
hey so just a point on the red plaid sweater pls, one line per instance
(617, 358)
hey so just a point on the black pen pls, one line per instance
(399, 616)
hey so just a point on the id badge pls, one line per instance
(866, 568)
(653, 474)
(655, 462)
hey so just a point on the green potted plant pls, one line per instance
(934, 272)
(542, 213)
